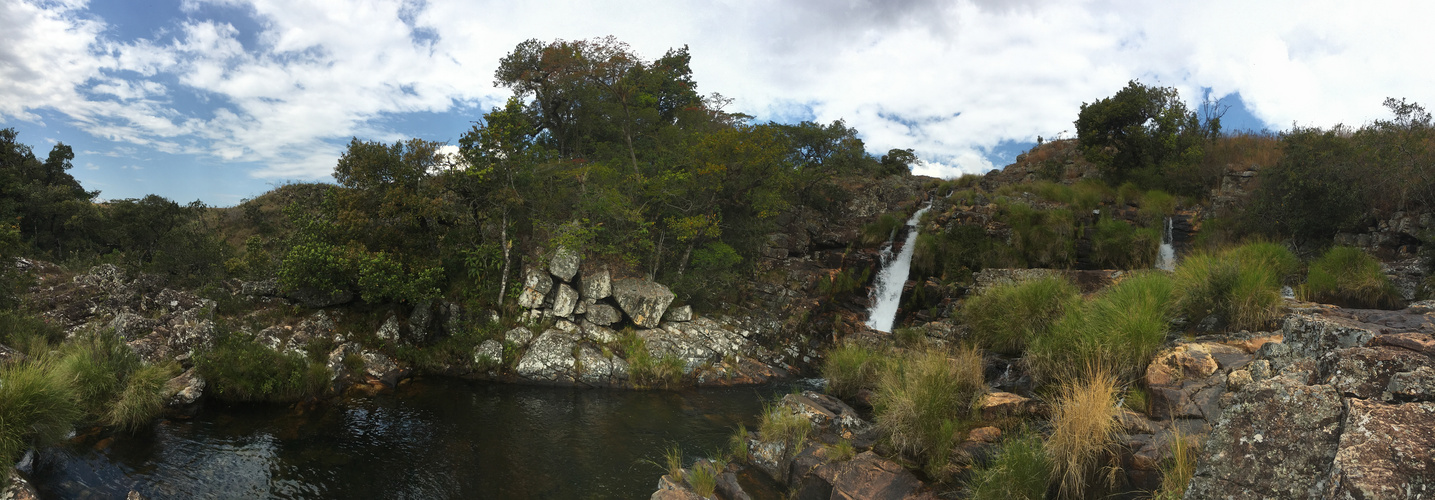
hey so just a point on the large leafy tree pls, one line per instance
(52, 212)
(1147, 135)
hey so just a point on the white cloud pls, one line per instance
(950, 79)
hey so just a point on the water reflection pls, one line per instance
(431, 439)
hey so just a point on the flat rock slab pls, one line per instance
(1386, 451)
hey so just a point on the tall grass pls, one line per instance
(1348, 277)
(1120, 328)
(781, 425)
(1021, 471)
(880, 230)
(239, 369)
(1044, 238)
(1176, 470)
(37, 407)
(1118, 245)
(140, 401)
(849, 368)
(28, 334)
(922, 400)
(1005, 318)
(97, 364)
(645, 370)
(1083, 433)
(702, 477)
(1155, 206)
(1241, 286)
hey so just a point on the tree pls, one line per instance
(1146, 135)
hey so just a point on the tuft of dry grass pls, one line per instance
(1177, 469)
(1084, 428)
(922, 400)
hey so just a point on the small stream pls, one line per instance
(434, 438)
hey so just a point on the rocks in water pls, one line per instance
(536, 285)
(597, 285)
(643, 301)
(16, 487)
(564, 264)
(564, 301)
(679, 314)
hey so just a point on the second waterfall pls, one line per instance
(887, 291)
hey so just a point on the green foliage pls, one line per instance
(240, 369)
(28, 334)
(1006, 318)
(98, 364)
(1240, 286)
(1118, 245)
(1156, 205)
(737, 444)
(921, 400)
(1318, 188)
(1118, 330)
(1020, 471)
(702, 476)
(784, 426)
(881, 230)
(1349, 277)
(1146, 135)
(1043, 238)
(842, 451)
(37, 407)
(849, 368)
(141, 399)
(842, 282)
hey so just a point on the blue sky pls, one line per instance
(219, 100)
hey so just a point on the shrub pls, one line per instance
(1087, 194)
(1005, 318)
(1348, 277)
(141, 399)
(1118, 245)
(922, 398)
(37, 407)
(1021, 471)
(1083, 431)
(1119, 328)
(1044, 238)
(850, 368)
(1156, 205)
(238, 369)
(1240, 286)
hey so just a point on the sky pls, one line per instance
(221, 100)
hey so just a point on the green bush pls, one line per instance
(1021, 471)
(1240, 286)
(1156, 205)
(37, 408)
(239, 369)
(1119, 329)
(922, 400)
(849, 368)
(1005, 318)
(1118, 245)
(1348, 277)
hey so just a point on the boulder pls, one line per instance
(1365, 372)
(389, 331)
(130, 326)
(1417, 385)
(564, 301)
(679, 314)
(866, 476)
(549, 358)
(598, 333)
(597, 369)
(597, 285)
(1276, 440)
(1386, 451)
(643, 301)
(380, 367)
(564, 264)
(183, 390)
(488, 354)
(520, 335)
(419, 321)
(603, 314)
(536, 285)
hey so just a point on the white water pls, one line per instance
(1166, 255)
(887, 291)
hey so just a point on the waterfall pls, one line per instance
(1166, 255)
(887, 291)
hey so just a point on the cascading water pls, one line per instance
(1166, 255)
(887, 292)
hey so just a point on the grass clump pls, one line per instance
(921, 401)
(849, 368)
(842, 451)
(781, 425)
(1122, 327)
(1021, 471)
(1005, 318)
(97, 365)
(1084, 428)
(1118, 245)
(1349, 277)
(737, 444)
(28, 334)
(140, 400)
(1155, 206)
(1043, 238)
(1240, 286)
(1177, 469)
(702, 477)
(37, 407)
(239, 369)
(647, 371)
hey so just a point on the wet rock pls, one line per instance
(603, 314)
(1386, 451)
(536, 285)
(1276, 440)
(684, 313)
(16, 487)
(643, 301)
(564, 301)
(183, 390)
(549, 358)
(597, 285)
(564, 264)
(488, 354)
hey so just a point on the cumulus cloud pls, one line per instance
(952, 80)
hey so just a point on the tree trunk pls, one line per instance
(507, 248)
(683, 262)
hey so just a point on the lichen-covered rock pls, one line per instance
(564, 301)
(827, 414)
(419, 321)
(1311, 335)
(380, 367)
(16, 487)
(866, 476)
(671, 489)
(520, 335)
(1365, 372)
(131, 326)
(603, 314)
(183, 390)
(1417, 385)
(643, 301)
(1187, 381)
(599, 369)
(1386, 451)
(597, 285)
(564, 264)
(536, 285)
(389, 331)
(549, 358)
(488, 354)
(696, 342)
(598, 333)
(1276, 440)
(679, 314)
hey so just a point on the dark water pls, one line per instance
(429, 439)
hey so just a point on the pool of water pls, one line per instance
(434, 438)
